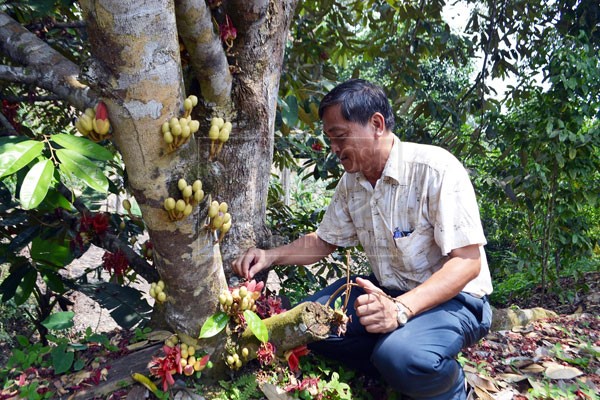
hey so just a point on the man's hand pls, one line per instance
(376, 311)
(250, 263)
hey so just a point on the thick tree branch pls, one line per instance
(203, 44)
(60, 74)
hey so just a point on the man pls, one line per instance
(413, 209)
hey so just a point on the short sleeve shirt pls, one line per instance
(421, 208)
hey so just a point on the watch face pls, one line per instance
(402, 317)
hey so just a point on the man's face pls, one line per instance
(351, 142)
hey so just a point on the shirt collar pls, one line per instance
(392, 167)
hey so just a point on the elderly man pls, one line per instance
(413, 209)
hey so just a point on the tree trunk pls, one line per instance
(137, 69)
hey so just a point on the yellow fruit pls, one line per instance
(180, 205)
(245, 352)
(168, 137)
(194, 126)
(160, 284)
(230, 360)
(144, 380)
(197, 185)
(213, 133)
(181, 184)
(223, 136)
(225, 227)
(199, 196)
(187, 192)
(222, 298)
(227, 126)
(173, 121)
(194, 100)
(86, 122)
(218, 122)
(223, 207)
(176, 130)
(238, 363)
(169, 204)
(217, 222)
(183, 362)
(152, 292)
(198, 366)
(80, 128)
(191, 351)
(243, 291)
(226, 218)
(162, 297)
(184, 353)
(213, 209)
(185, 132)
(90, 112)
(188, 210)
(102, 126)
(187, 104)
(165, 127)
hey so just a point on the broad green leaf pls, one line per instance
(71, 162)
(60, 320)
(83, 146)
(52, 251)
(9, 285)
(26, 287)
(214, 324)
(257, 326)
(62, 359)
(17, 155)
(36, 183)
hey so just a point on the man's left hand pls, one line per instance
(376, 311)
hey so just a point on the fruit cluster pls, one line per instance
(157, 291)
(178, 131)
(94, 123)
(188, 360)
(192, 195)
(234, 360)
(237, 300)
(220, 219)
(218, 134)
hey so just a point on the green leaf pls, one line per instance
(73, 163)
(62, 359)
(257, 326)
(11, 283)
(52, 251)
(36, 183)
(214, 324)
(17, 155)
(83, 146)
(26, 287)
(60, 320)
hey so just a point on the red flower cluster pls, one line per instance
(265, 353)
(317, 146)
(228, 32)
(293, 356)
(96, 223)
(165, 367)
(267, 306)
(115, 263)
(311, 385)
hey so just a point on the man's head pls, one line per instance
(359, 100)
(358, 120)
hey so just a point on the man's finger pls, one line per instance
(368, 286)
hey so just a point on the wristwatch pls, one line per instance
(402, 315)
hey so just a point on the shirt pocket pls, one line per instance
(415, 248)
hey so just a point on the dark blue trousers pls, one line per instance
(419, 359)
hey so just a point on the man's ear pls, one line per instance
(378, 122)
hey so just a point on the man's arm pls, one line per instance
(378, 313)
(305, 250)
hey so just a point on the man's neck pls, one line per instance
(381, 156)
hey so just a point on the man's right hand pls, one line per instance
(250, 263)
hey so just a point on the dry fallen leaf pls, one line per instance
(511, 378)
(479, 381)
(558, 371)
